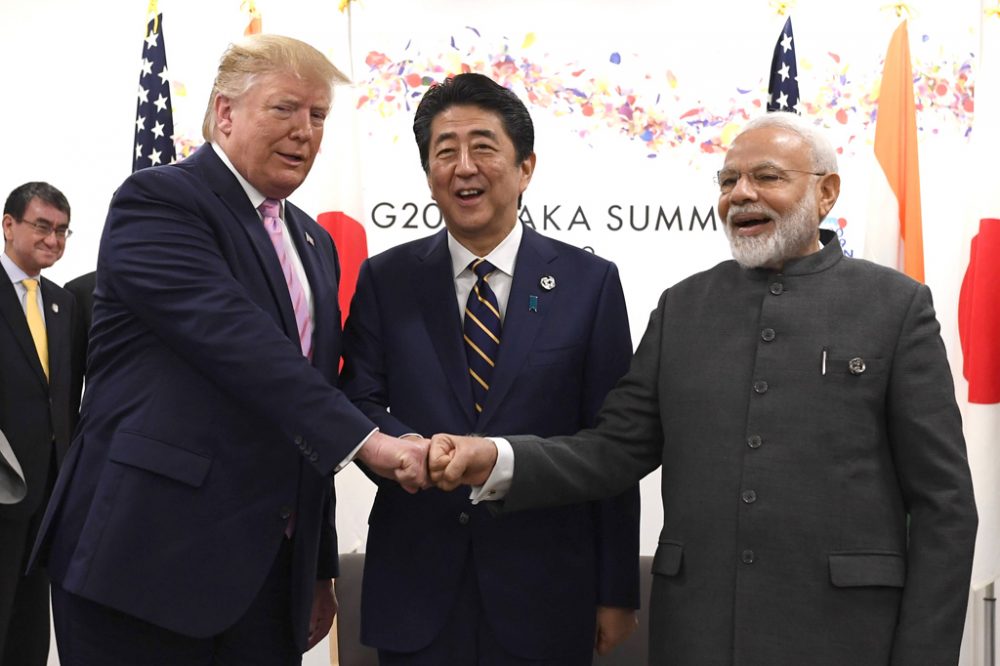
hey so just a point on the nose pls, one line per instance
(743, 190)
(466, 165)
(302, 129)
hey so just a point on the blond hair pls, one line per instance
(261, 54)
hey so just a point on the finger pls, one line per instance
(452, 476)
(437, 462)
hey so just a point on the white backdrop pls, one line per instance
(632, 103)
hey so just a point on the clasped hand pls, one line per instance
(447, 461)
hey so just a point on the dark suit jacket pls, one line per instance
(82, 288)
(540, 573)
(203, 426)
(787, 489)
(38, 417)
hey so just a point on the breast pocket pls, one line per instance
(555, 356)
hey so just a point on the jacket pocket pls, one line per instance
(554, 355)
(668, 557)
(136, 450)
(865, 569)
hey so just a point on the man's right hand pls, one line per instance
(403, 460)
(454, 461)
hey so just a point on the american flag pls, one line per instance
(154, 120)
(783, 88)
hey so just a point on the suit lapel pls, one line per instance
(231, 193)
(434, 286)
(521, 323)
(324, 317)
(58, 331)
(13, 314)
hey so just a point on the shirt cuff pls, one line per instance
(350, 456)
(498, 483)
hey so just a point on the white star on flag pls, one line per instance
(154, 103)
(783, 82)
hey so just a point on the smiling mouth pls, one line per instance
(750, 222)
(468, 193)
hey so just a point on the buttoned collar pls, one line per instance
(817, 262)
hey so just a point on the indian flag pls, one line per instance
(894, 236)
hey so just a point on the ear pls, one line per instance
(8, 223)
(827, 194)
(223, 107)
(527, 169)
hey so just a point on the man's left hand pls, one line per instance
(614, 625)
(324, 609)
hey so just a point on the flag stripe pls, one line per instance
(896, 152)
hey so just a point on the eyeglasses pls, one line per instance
(43, 229)
(762, 178)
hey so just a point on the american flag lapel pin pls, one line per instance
(55, 308)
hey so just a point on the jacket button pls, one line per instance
(747, 556)
(463, 518)
(313, 457)
(760, 386)
(754, 441)
(767, 334)
(749, 496)
(285, 513)
(776, 288)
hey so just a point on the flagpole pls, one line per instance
(989, 627)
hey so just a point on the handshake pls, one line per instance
(445, 461)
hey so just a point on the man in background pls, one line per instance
(40, 374)
(82, 288)
(194, 522)
(817, 500)
(489, 327)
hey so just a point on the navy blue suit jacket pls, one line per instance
(540, 573)
(203, 427)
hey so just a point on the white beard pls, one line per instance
(791, 237)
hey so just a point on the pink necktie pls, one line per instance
(271, 210)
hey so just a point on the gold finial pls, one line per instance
(900, 8)
(782, 7)
(152, 10)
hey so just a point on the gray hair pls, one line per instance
(824, 157)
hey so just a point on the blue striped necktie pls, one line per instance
(481, 331)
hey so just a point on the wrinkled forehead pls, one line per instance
(768, 146)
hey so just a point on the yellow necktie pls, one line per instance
(35, 323)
